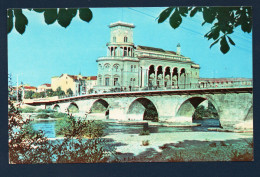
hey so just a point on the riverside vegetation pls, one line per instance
(29, 146)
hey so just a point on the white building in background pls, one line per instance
(132, 67)
(44, 87)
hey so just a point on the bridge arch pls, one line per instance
(100, 107)
(249, 115)
(188, 107)
(56, 107)
(73, 108)
(142, 109)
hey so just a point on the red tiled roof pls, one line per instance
(29, 87)
(48, 85)
(93, 77)
(73, 77)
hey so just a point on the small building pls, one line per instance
(224, 82)
(44, 87)
(91, 81)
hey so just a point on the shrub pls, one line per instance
(144, 132)
(90, 129)
(145, 142)
(45, 110)
(44, 115)
(28, 110)
(58, 115)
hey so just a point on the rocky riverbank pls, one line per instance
(183, 146)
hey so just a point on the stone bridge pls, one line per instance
(233, 105)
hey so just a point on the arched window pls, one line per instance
(115, 67)
(106, 66)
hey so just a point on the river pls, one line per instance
(48, 127)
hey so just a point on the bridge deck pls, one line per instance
(151, 93)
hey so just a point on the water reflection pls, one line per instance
(48, 127)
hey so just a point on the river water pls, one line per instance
(48, 127)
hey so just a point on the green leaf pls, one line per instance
(85, 14)
(73, 12)
(50, 16)
(165, 14)
(64, 17)
(20, 21)
(39, 10)
(230, 41)
(183, 11)
(216, 41)
(215, 32)
(203, 23)
(175, 19)
(246, 26)
(224, 47)
(10, 22)
(193, 12)
(209, 14)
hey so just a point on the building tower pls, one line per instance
(119, 69)
(121, 40)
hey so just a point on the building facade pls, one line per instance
(79, 84)
(133, 67)
(44, 87)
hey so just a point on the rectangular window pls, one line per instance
(107, 82)
(115, 81)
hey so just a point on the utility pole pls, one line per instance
(17, 89)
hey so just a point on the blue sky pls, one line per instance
(45, 50)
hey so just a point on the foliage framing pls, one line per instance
(225, 19)
(28, 146)
(63, 16)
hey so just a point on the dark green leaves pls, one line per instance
(183, 11)
(50, 16)
(39, 10)
(224, 47)
(63, 16)
(225, 19)
(230, 41)
(165, 14)
(20, 21)
(193, 11)
(209, 14)
(175, 19)
(10, 22)
(85, 14)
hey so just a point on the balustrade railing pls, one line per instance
(191, 86)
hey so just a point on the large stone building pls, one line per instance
(133, 67)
